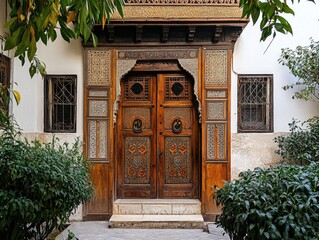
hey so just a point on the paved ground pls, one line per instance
(100, 231)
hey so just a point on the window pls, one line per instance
(4, 81)
(255, 103)
(60, 103)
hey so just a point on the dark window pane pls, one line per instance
(4, 81)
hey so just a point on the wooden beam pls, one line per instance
(217, 34)
(165, 34)
(138, 33)
(191, 33)
(110, 31)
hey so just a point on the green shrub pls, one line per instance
(301, 146)
(41, 185)
(276, 203)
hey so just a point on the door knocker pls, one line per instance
(177, 126)
(137, 125)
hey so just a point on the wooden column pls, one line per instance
(215, 125)
(98, 131)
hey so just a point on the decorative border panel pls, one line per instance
(99, 67)
(180, 12)
(153, 55)
(97, 113)
(216, 141)
(216, 68)
(216, 110)
(180, 2)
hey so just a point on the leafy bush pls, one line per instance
(301, 146)
(276, 203)
(41, 185)
(303, 62)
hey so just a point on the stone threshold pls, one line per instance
(157, 221)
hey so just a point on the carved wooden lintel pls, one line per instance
(138, 33)
(217, 34)
(165, 34)
(191, 33)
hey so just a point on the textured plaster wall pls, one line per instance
(251, 150)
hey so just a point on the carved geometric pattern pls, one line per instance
(99, 67)
(177, 88)
(216, 110)
(216, 68)
(122, 68)
(98, 139)
(178, 161)
(103, 144)
(191, 66)
(181, 12)
(216, 94)
(171, 113)
(98, 108)
(216, 140)
(92, 139)
(137, 160)
(132, 113)
(98, 93)
(163, 54)
(179, 2)
(137, 89)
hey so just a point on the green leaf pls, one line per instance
(32, 70)
(10, 22)
(14, 39)
(32, 50)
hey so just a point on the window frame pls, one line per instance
(49, 103)
(5, 63)
(267, 105)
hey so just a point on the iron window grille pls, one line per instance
(255, 103)
(4, 82)
(60, 103)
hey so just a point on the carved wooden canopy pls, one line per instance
(173, 22)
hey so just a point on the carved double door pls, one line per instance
(157, 145)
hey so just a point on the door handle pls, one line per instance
(160, 154)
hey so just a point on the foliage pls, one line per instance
(32, 21)
(272, 14)
(41, 185)
(4, 101)
(303, 62)
(277, 203)
(301, 145)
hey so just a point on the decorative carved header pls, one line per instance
(179, 2)
(180, 12)
(153, 55)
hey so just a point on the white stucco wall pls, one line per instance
(253, 150)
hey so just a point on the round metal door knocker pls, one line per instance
(177, 126)
(137, 125)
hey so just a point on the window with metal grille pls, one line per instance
(60, 103)
(4, 82)
(255, 103)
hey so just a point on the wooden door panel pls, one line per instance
(137, 139)
(158, 138)
(176, 127)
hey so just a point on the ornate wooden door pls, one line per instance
(157, 137)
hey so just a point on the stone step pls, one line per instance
(157, 207)
(157, 221)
